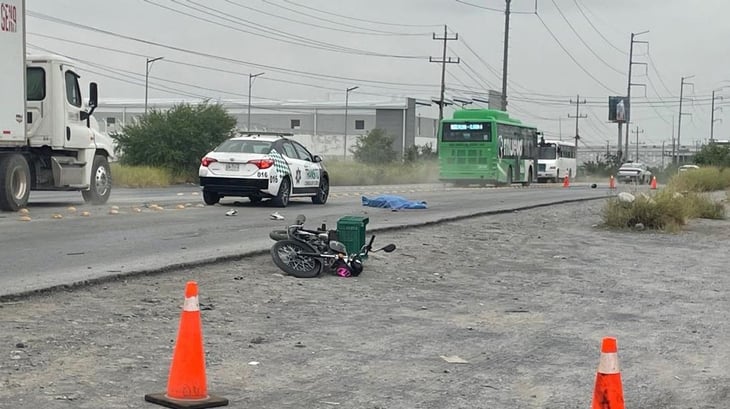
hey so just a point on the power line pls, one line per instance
(131, 79)
(208, 55)
(492, 8)
(656, 70)
(367, 32)
(597, 16)
(580, 9)
(237, 73)
(571, 56)
(584, 42)
(349, 17)
(270, 33)
(476, 73)
(465, 43)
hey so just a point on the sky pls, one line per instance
(315, 49)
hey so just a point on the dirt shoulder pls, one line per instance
(525, 298)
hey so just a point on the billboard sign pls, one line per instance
(618, 109)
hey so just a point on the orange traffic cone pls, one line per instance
(608, 392)
(186, 386)
(612, 183)
(566, 181)
(653, 183)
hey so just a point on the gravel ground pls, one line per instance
(524, 298)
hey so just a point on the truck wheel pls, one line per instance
(14, 182)
(101, 182)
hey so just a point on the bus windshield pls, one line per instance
(467, 132)
(547, 152)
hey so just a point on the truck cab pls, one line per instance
(62, 132)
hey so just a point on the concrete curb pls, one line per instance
(252, 253)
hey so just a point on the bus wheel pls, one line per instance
(529, 179)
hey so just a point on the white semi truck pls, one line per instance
(48, 137)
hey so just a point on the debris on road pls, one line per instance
(454, 359)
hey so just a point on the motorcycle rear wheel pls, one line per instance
(285, 254)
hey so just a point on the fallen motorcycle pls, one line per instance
(306, 253)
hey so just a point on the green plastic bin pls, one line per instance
(351, 232)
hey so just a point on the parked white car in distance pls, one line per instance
(685, 168)
(634, 172)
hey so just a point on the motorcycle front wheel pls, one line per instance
(285, 254)
(278, 235)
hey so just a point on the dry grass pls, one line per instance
(342, 173)
(350, 173)
(143, 176)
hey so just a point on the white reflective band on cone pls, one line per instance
(608, 364)
(191, 304)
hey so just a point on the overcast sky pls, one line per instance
(314, 49)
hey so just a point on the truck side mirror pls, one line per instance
(93, 96)
(93, 103)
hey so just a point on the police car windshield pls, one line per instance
(244, 146)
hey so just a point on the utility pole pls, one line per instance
(630, 84)
(663, 153)
(679, 125)
(577, 117)
(443, 61)
(147, 79)
(712, 115)
(560, 128)
(673, 141)
(347, 103)
(506, 53)
(637, 132)
(250, 83)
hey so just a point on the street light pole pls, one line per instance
(347, 102)
(250, 83)
(147, 79)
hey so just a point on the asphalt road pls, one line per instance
(46, 251)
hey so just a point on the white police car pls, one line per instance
(260, 166)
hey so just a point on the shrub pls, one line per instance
(375, 148)
(713, 155)
(175, 139)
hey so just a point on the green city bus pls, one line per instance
(484, 146)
